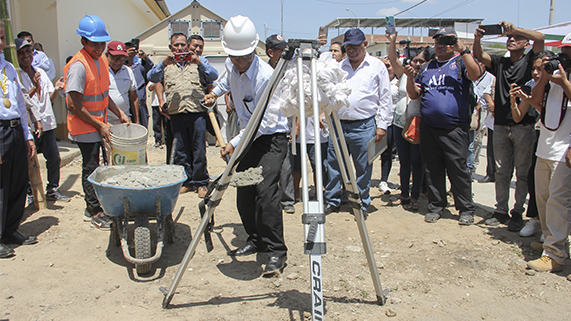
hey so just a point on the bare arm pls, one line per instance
(134, 104)
(412, 90)
(58, 86)
(479, 51)
(490, 102)
(393, 58)
(473, 70)
(160, 91)
(518, 110)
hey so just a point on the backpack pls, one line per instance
(472, 98)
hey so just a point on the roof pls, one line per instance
(399, 22)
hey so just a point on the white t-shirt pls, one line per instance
(43, 102)
(552, 145)
(120, 84)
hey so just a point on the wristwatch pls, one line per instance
(465, 51)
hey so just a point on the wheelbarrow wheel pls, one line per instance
(142, 243)
(115, 231)
(169, 229)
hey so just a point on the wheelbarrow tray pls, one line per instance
(140, 200)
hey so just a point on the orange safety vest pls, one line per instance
(95, 94)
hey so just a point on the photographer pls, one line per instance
(552, 176)
(182, 71)
(513, 142)
(442, 87)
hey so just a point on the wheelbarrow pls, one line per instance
(139, 204)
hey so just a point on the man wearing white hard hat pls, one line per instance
(259, 206)
(87, 86)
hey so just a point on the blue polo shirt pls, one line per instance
(444, 97)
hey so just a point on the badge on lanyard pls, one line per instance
(6, 101)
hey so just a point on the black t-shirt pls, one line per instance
(507, 73)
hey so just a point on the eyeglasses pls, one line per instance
(244, 57)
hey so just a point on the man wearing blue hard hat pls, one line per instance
(87, 87)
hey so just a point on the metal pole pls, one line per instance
(551, 12)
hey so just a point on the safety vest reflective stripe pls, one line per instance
(95, 98)
(94, 113)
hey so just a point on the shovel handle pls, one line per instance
(214, 123)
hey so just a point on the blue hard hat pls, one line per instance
(93, 29)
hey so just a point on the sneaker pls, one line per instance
(530, 227)
(544, 264)
(497, 219)
(101, 221)
(87, 216)
(289, 209)
(56, 195)
(384, 187)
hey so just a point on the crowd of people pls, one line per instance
(452, 97)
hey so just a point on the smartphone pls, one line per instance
(447, 40)
(135, 43)
(526, 90)
(390, 22)
(322, 33)
(492, 29)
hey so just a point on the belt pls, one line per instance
(10, 122)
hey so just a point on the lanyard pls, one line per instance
(564, 102)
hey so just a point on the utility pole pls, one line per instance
(282, 30)
(551, 12)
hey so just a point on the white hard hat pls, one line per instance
(239, 37)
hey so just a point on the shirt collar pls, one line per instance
(347, 63)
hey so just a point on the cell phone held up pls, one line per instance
(492, 29)
(135, 43)
(447, 40)
(183, 56)
(390, 22)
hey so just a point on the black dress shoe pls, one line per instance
(19, 238)
(5, 251)
(487, 179)
(246, 250)
(275, 264)
(330, 209)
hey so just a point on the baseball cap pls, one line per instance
(566, 42)
(275, 41)
(21, 43)
(445, 31)
(353, 37)
(117, 48)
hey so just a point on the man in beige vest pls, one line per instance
(179, 74)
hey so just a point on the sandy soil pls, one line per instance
(434, 271)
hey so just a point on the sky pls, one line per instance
(302, 18)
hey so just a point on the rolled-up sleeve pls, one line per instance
(156, 73)
(210, 73)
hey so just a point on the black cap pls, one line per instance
(275, 41)
(445, 31)
(21, 43)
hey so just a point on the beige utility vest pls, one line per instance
(183, 89)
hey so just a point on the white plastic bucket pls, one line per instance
(128, 144)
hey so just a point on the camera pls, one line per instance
(183, 56)
(553, 63)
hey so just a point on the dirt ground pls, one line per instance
(434, 271)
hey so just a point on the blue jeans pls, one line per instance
(189, 129)
(410, 161)
(357, 135)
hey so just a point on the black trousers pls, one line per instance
(532, 204)
(13, 178)
(446, 151)
(259, 205)
(491, 167)
(90, 157)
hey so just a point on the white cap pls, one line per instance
(239, 37)
(566, 42)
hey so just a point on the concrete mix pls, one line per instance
(144, 177)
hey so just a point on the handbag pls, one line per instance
(411, 130)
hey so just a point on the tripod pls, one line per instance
(313, 217)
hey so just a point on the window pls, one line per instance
(179, 26)
(211, 29)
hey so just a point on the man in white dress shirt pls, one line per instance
(122, 84)
(367, 117)
(259, 206)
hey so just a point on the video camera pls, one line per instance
(553, 63)
(409, 52)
